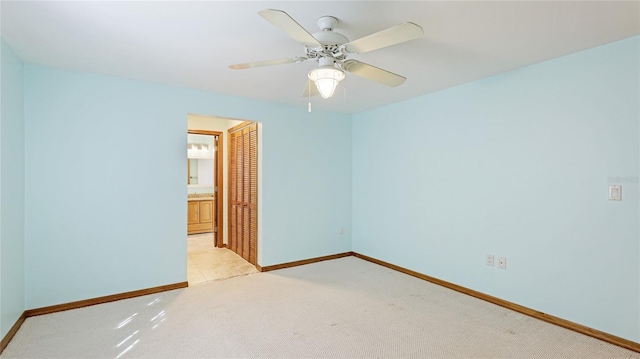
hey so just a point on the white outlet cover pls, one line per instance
(615, 193)
(502, 262)
(490, 260)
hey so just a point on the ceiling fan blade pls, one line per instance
(391, 36)
(373, 73)
(310, 89)
(249, 65)
(289, 26)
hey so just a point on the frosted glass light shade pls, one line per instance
(326, 79)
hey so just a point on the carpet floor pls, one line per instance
(343, 308)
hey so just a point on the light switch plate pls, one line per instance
(615, 193)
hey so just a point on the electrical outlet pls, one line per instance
(490, 260)
(502, 262)
(341, 230)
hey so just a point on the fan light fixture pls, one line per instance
(326, 79)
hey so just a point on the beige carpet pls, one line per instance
(344, 308)
(206, 262)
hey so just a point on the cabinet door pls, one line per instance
(194, 212)
(206, 211)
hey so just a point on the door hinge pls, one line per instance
(215, 229)
(215, 189)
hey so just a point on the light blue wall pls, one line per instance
(516, 165)
(91, 231)
(12, 190)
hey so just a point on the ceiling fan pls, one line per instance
(331, 49)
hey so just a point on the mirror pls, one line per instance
(201, 152)
(200, 172)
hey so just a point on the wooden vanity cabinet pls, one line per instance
(200, 218)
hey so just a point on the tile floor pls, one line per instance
(206, 262)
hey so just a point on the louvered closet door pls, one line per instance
(233, 162)
(253, 193)
(238, 184)
(243, 193)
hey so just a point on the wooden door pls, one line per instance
(246, 159)
(252, 204)
(233, 192)
(243, 191)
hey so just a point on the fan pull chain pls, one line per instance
(344, 96)
(309, 94)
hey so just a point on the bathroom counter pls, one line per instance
(200, 198)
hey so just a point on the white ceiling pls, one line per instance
(191, 43)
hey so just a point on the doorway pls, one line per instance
(204, 180)
(209, 252)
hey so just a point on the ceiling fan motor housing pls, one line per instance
(327, 23)
(330, 40)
